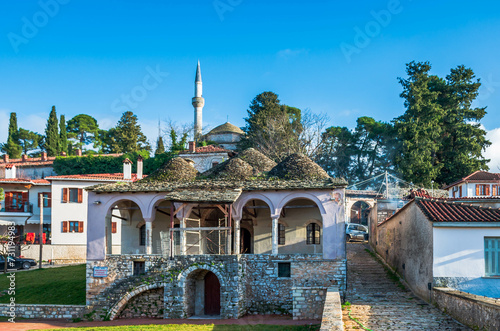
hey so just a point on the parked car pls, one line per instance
(17, 263)
(355, 231)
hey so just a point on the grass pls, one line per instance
(58, 286)
(204, 327)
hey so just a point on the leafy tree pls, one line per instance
(336, 152)
(175, 144)
(12, 147)
(441, 139)
(29, 140)
(84, 130)
(128, 135)
(63, 135)
(160, 147)
(51, 144)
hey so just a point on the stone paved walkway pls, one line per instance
(379, 304)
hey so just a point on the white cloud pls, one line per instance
(4, 125)
(492, 152)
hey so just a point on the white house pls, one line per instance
(205, 157)
(480, 184)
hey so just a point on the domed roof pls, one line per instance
(226, 128)
(257, 160)
(232, 169)
(298, 166)
(174, 170)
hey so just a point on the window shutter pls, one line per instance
(494, 190)
(477, 189)
(8, 200)
(80, 195)
(25, 197)
(460, 192)
(49, 202)
(65, 195)
(38, 200)
(65, 226)
(487, 190)
(80, 226)
(113, 227)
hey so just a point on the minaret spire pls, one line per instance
(198, 103)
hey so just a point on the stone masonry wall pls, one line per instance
(147, 304)
(249, 283)
(308, 302)
(42, 311)
(477, 312)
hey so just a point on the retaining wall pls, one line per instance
(42, 311)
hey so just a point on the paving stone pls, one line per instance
(379, 304)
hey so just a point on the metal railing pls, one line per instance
(23, 207)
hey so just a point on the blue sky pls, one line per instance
(82, 56)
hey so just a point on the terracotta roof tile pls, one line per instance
(94, 177)
(443, 211)
(37, 161)
(207, 149)
(24, 181)
(478, 176)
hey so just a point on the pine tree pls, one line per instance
(63, 135)
(29, 140)
(12, 147)
(83, 130)
(128, 135)
(52, 134)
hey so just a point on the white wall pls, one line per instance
(203, 161)
(459, 252)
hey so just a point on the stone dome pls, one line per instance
(226, 128)
(298, 166)
(174, 170)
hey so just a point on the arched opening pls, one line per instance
(123, 229)
(255, 234)
(301, 227)
(360, 212)
(202, 293)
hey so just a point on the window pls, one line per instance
(281, 234)
(46, 199)
(177, 235)
(482, 189)
(492, 256)
(113, 227)
(313, 234)
(139, 268)
(72, 226)
(142, 235)
(17, 202)
(495, 190)
(284, 269)
(72, 195)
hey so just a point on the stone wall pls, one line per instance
(249, 283)
(477, 312)
(42, 311)
(332, 312)
(59, 254)
(147, 304)
(308, 302)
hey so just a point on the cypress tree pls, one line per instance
(52, 134)
(63, 135)
(160, 147)
(12, 147)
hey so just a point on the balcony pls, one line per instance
(22, 207)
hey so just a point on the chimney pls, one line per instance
(6, 158)
(10, 171)
(24, 157)
(44, 156)
(139, 167)
(192, 147)
(79, 153)
(63, 154)
(127, 169)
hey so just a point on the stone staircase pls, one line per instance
(380, 303)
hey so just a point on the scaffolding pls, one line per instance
(193, 239)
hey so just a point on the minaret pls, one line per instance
(198, 103)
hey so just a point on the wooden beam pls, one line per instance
(119, 217)
(162, 212)
(245, 209)
(222, 209)
(179, 209)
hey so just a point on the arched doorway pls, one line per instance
(360, 212)
(203, 293)
(246, 241)
(212, 294)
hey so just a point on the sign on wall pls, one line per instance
(100, 272)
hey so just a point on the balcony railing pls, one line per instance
(24, 207)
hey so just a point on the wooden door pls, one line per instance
(212, 294)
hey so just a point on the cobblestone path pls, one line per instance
(380, 304)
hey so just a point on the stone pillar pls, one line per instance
(183, 236)
(274, 239)
(149, 235)
(109, 242)
(237, 235)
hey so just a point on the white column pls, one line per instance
(275, 234)
(183, 236)
(237, 235)
(149, 236)
(109, 243)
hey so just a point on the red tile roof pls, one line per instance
(421, 193)
(479, 177)
(208, 149)
(37, 161)
(443, 211)
(94, 177)
(24, 181)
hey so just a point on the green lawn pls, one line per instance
(205, 327)
(59, 286)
